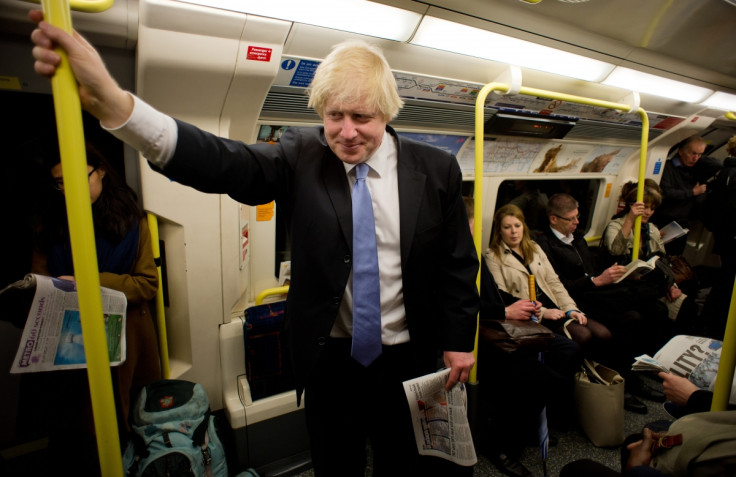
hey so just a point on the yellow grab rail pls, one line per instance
(271, 291)
(163, 343)
(727, 365)
(478, 180)
(70, 130)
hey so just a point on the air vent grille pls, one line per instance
(595, 130)
(291, 104)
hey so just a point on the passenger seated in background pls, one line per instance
(532, 202)
(125, 260)
(623, 309)
(618, 242)
(513, 256)
(516, 387)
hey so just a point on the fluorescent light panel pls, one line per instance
(721, 101)
(356, 16)
(445, 35)
(627, 78)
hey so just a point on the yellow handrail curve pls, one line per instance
(478, 180)
(271, 291)
(68, 113)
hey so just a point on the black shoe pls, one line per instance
(509, 465)
(633, 404)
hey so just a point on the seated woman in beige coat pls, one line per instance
(513, 256)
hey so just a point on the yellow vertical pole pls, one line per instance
(163, 343)
(640, 183)
(727, 364)
(79, 211)
(480, 102)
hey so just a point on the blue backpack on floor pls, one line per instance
(174, 433)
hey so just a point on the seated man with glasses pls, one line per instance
(618, 306)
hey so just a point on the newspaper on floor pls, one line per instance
(440, 418)
(692, 357)
(52, 336)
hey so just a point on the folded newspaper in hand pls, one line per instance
(52, 336)
(647, 363)
(692, 357)
(440, 418)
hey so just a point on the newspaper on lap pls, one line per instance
(692, 357)
(52, 336)
(440, 418)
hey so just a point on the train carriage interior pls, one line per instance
(241, 72)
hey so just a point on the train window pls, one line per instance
(532, 195)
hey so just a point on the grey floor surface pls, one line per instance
(572, 445)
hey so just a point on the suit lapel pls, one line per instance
(336, 183)
(411, 189)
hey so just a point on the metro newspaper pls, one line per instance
(693, 357)
(440, 418)
(52, 335)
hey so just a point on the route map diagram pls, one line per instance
(500, 155)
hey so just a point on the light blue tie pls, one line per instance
(366, 290)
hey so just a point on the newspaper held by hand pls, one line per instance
(692, 357)
(440, 418)
(52, 336)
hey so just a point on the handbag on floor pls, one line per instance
(599, 404)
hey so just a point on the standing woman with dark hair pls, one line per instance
(125, 261)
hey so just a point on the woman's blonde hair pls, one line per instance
(496, 242)
(355, 71)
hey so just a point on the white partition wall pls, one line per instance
(197, 71)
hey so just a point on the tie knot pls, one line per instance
(361, 171)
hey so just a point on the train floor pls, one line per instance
(571, 445)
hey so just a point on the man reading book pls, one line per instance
(637, 269)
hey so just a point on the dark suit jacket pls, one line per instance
(311, 189)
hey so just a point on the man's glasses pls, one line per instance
(59, 183)
(569, 219)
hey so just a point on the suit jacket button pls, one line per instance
(321, 341)
(335, 300)
(347, 259)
